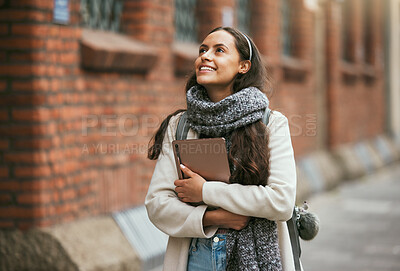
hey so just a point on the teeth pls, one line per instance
(206, 68)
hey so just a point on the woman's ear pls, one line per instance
(245, 66)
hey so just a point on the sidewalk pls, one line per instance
(360, 225)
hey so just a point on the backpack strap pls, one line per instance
(183, 127)
(294, 240)
(266, 116)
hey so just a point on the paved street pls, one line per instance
(360, 226)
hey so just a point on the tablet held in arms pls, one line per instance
(207, 157)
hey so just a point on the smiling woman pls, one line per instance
(218, 64)
(241, 225)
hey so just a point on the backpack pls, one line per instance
(181, 134)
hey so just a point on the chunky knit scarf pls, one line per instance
(218, 119)
(256, 246)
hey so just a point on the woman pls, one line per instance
(224, 100)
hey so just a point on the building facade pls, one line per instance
(83, 87)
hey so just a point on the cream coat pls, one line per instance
(182, 222)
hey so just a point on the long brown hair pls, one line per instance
(249, 152)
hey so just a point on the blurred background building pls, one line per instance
(85, 83)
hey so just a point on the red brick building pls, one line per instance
(356, 97)
(78, 106)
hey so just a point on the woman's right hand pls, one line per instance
(225, 219)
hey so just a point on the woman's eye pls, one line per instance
(202, 51)
(220, 50)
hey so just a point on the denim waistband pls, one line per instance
(207, 254)
(208, 241)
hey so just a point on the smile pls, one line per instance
(206, 68)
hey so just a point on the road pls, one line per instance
(360, 225)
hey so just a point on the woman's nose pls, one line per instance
(206, 56)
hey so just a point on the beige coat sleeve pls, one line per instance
(165, 210)
(274, 201)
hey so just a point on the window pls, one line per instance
(101, 14)
(347, 35)
(368, 44)
(185, 20)
(108, 50)
(286, 31)
(243, 15)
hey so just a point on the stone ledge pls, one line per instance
(33, 250)
(184, 56)
(96, 243)
(387, 148)
(295, 69)
(324, 170)
(318, 172)
(107, 51)
(304, 188)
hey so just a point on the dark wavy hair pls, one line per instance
(249, 152)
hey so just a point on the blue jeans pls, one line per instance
(207, 254)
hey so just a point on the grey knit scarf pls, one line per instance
(256, 246)
(216, 119)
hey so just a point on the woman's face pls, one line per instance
(218, 62)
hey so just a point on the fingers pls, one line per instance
(179, 182)
(189, 189)
(179, 189)
(187, 171)
(181, 194)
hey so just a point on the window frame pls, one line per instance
(185, 21)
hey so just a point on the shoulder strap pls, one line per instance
(294, 240)
(183, 127)
(266, 116)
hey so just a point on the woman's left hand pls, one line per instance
(190, 189)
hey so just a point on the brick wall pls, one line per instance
(355, 89)
(293, 78)
(73, 140)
